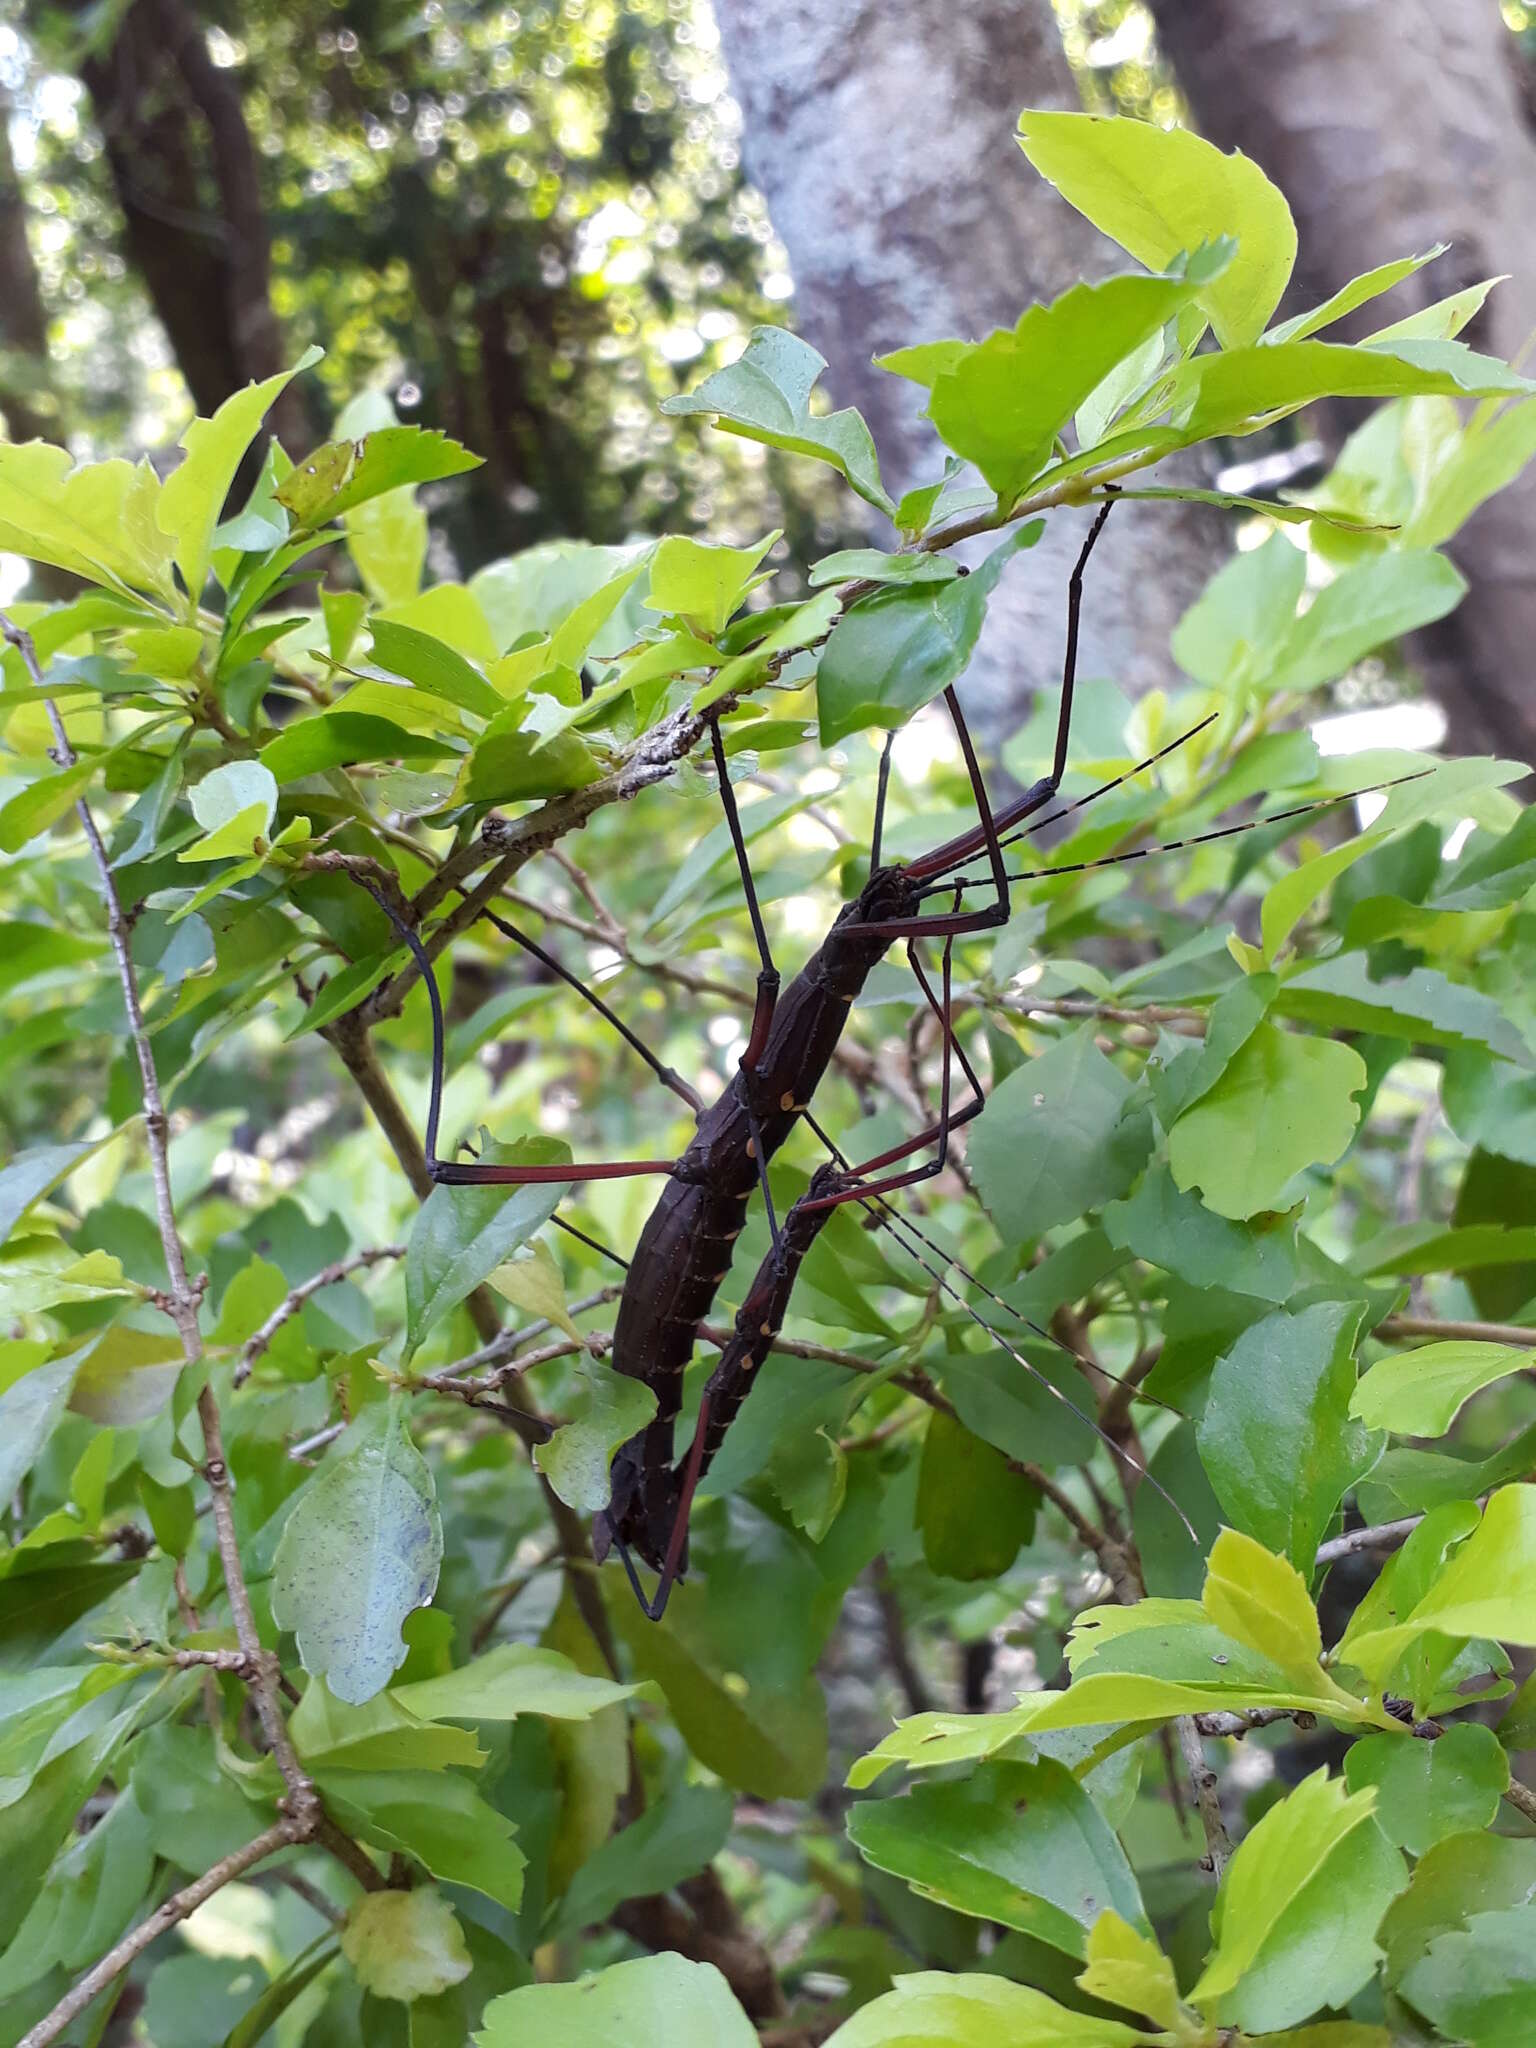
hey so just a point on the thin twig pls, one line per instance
(1380, 1536)
(178, 1907)
(1218, 1843)
(294, 1300)
(1472, 1333)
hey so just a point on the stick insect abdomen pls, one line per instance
(684, 1250)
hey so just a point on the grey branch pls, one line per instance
(296, 1297)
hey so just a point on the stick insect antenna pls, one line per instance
(1115, 860)
(900, 1228)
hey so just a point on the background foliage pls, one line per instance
(301, 1642)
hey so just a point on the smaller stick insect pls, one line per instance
(684, 1251)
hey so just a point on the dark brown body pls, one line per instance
(684, 1250)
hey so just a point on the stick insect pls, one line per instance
(684, 1249)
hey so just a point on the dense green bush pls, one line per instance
(300, 1632)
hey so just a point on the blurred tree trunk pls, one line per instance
(25, 398)
(1390, 128)
(881, 133)
(187, 178)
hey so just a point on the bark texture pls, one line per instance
(187, 178)
(1391, 125)
(881, 134)
(23, 324)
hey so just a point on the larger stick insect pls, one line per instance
(684, 1249)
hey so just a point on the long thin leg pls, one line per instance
(862, 1189)
(984, 835)
(768, 975)
(668, 1076)
(880, 789)
(449, 1172)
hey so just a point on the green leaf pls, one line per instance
(1478, 1983)
(1427, 1791)
(195, 1811)
(1377, 600)
(1422, 1006)
(1178, 1232)
(1421, 1392)
(999, 1401)
(37, 1390)
(701, 583)
(803, 625)
(432, 665)
(1287, 901)
(671, 1841)
(1490, 1105)
(1283, 1104)
(1276, 1439)
(1019, 1843)
(438, 1818)
(28, 1176)
(462, 1234)
(339, 739)
(359, 1552)
(1000, 403)
(1490, 454)
(1298, 1910)
(512, 1679)
(382, 1734)
(575, 1461)
(345, 474)
(96, 520)
(871, 565)
(405, 1945)
(757, 1725)
(765, 396)
(973, 1509)
(1057, 1138)
(1159, 192)
(1229, 634)
(1488, 1588)
(895, 651)
(661, 1998)
(1243, 389)
(1358, 292)
(511, 763)
(1177, 1084)
(1261, 1600)
(933, 2009)
(1127, 1968)
(192, 496)
(235, 806)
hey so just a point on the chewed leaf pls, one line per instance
(765, 396)
(1160, 191)
(576, 1458)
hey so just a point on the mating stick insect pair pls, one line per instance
(684, 1250)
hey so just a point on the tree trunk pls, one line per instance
(23, 325)
(187, 179)
(881, 133)
(1391, 127)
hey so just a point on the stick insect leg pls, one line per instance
(449, 1172)
(654, 1605)
(863, 1189)
(880, 790)
(768, 975)
(986, 835)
